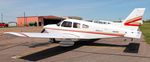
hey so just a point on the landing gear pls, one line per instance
(67, 43)
(132, 39)
(62, 43)
(52, 40)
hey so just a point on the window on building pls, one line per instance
(76, 25)
(66, 24)
(85, 26)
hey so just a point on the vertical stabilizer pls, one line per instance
(134, 20)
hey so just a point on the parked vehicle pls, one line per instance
(3, 25)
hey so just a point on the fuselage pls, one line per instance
(88, 30)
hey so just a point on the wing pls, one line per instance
(43, 35)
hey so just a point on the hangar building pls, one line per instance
(37, 20)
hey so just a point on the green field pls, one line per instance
(145, 28)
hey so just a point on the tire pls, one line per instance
(52, 40)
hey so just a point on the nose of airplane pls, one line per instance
(45, 26)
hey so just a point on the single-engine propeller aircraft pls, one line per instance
(69, 31)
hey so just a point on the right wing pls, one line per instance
(43, 35)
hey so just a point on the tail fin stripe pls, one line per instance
(131, 22)
(134, 19)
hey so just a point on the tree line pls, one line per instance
(148, 20)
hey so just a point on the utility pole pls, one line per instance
(25, 21)
(2, 17)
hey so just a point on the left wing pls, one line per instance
(43, 35)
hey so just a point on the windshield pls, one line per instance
(66, 24)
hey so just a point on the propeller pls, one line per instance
(43, 31)
(52, 40)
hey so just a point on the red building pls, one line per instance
(37, 20)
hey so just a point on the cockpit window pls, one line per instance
(66, 24)
(85, 26)
(76, 25)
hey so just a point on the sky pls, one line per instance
(87, 9)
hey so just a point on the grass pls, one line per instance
(145, 28)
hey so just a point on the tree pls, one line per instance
(148, 20)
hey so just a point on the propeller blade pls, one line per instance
(43, 31)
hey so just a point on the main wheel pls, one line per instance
(52, 40)
(67, 43)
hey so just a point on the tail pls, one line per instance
(134, 20)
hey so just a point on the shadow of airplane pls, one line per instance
(132, 48)
(58, 50)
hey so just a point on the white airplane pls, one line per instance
(70, 30)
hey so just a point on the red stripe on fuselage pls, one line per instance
(102, 33)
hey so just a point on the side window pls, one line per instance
(85, 26)
(66, 24)
(76, 25)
